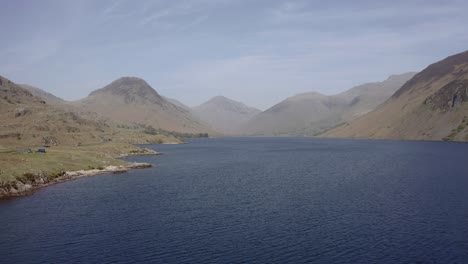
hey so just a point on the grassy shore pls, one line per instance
(30, 169)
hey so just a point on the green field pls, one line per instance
(63, 158)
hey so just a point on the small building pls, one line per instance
(41, 150)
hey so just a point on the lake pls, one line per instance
(255, 200)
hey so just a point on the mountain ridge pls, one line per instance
(29, 120)
(312, 113)
(46, 96)
(133, 100)
(131, 88)
(431, 106)
(224, 114)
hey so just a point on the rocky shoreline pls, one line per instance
(29, 182)
(22, 189)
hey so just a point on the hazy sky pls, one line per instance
(256, 51)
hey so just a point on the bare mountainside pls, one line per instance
(29, 120)
(312, 113)
(63, 104)
(46, 96)
(225, 115)
(177, 103)
(433, 105)
(132, 100)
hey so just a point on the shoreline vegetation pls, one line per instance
(22, 173)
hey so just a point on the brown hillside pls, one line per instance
(132, 100)
(29, 120)
(46, 96)
(431, 106)
(313, 113)
(225, 115)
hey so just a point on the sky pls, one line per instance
(258, 52)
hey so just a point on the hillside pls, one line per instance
(132, 100)
(177, 103)
(76, 143)
(225, 115)
(46, 96)
(29, 120)
(312, 113)
(433, 105)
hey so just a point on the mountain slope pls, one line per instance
(433, 105)
(313, 113)
(177, 103)
(29, 120)
(46, 96)
(132, 100)
(225, 115)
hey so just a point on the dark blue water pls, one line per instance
(255, 200)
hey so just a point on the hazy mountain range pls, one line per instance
(312, 113)
(429, 105)
(225, 115)
(433, 105)
(132, 100)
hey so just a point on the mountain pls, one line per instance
(132, 100)
(225, 115)
(177, 103)
(46, 96)
(28, 120)
(433, 105)
(312, 113)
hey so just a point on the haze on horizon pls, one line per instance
(258, 52)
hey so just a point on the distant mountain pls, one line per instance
(28, 120)
(132, 100)
(225, 115)
(64, 105)
(312, 113)
(178, 103)
(433, 105)
(46, 96)
(365, 98)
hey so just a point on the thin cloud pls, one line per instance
(303, 12)
(174, 11)
(113, 7)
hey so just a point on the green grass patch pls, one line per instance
(456, 131)
(21, 166)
